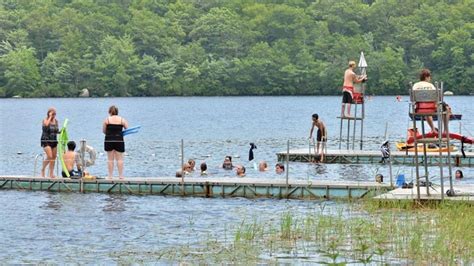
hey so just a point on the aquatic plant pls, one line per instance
(365, 232)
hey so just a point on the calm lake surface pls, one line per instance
(212, 127)
(40, 226)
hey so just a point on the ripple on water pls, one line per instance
(99, 226)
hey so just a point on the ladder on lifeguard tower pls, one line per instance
(417, 99)
(359, 113)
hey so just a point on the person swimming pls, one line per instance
(240, 170)
(192, 163)
(459, 174)
(227, 164)
(279, 168)
(203, 169)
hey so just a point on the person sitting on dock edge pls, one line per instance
(71, 158)
(321, 136)
(350, 78)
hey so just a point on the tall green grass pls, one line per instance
(363, 232)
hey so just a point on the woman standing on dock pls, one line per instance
(49, 141)
(113, 143)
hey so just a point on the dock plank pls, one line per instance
(463, 193)
(208, 187)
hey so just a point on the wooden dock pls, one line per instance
(462, 193)
(373, 157)
(201, 187)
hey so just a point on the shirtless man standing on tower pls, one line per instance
(350, 78)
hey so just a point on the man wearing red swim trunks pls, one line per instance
(350, 78)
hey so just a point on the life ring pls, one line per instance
(92, 156)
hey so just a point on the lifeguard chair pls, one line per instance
(425, 103)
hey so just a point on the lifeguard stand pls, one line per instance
(358, 117)
(359, 111)
(426, 103)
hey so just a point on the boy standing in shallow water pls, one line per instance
(321, 135)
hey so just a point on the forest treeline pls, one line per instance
(56, 48)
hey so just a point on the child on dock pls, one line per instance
(321, 136)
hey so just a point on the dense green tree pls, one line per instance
(116, 66)
(215, 47)
(20, 70)
(222, 33)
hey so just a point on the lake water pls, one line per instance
(212, 127)
(40, 226)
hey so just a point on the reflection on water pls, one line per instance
(102, 227)
(115, 203)
(52, 202)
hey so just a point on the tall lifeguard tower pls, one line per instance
(359, 112)
(429, 103)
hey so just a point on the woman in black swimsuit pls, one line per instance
(49, 141)
(114, 144)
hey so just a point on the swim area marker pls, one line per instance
(62, 143)
(131, 130)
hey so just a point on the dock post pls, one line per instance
(448, 143)
(355, 126)
(363, 117)
(340, 132)
(425, 157)
(287, 164)
(182, 163)
(83, 156)
(58, 162)
(389, 156)
(348, 132)
(440, 118)
(390, 170)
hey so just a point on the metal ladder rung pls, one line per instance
(349, 118)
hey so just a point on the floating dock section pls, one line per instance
(462, 193)
(372, 157)
(201, 187)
